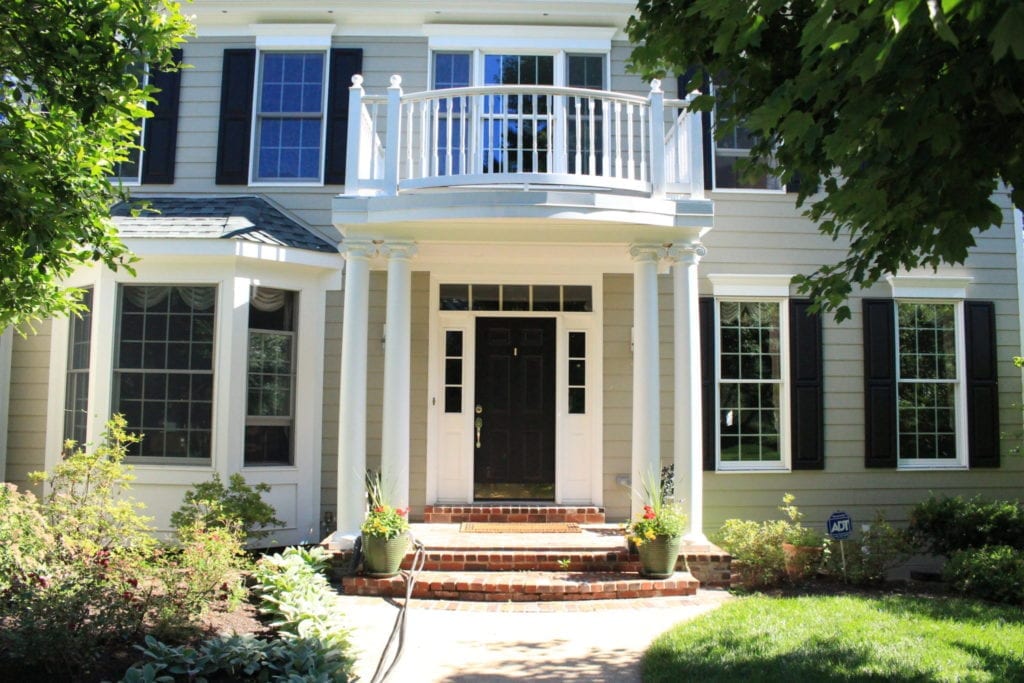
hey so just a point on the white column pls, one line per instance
(688, 453)
(646, 455)
(352, 390)
(395, 423)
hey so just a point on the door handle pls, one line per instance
(479, 424)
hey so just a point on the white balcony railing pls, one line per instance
(520, 136)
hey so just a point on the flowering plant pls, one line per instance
(382, 520)
(661, 516)
(385, 522)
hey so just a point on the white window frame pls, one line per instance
(959, 389)
(733, 153)
(289, 38)
(783, 464)
(136, 180)
(275, 420)
(935, 290)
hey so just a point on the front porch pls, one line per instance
(593, 564)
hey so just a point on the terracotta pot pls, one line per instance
(801, 560)
(382, 557)
(658, 557)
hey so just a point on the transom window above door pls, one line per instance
(568, 298)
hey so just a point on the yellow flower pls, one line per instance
(650, 534)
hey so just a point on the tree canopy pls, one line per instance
(71, 101)
(899, 117)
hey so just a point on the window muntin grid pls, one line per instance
(577, 373)
(926, 380)
(271, 377)
(453, 354)
(163, 372)
(76, 388)
(750, 381)
(289, 118)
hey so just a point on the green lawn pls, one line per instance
(892, 638)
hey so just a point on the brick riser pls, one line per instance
(524, 587)
(454, 514)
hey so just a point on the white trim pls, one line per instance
(518, 39)
(784, 464)
(6, 347)
(751, 286)
(928, 286)
(591, 323)
(1018, 246)
(307, 37)
(960, 388)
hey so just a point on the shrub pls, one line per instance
(756, 549)
(205, 567)
(314, 643)
(993, 573)
(81, 579)
(945, 525)
(221, 506)
(871, 553)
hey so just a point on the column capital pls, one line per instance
(649, 253)
(398, 249)
(358, 249)
(687, 253)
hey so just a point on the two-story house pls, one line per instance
(460, 242)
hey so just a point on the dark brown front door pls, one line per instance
(515, 409)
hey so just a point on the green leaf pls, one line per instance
(1008, 34)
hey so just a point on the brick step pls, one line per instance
(550, 560)
(449, 514)
(524, 586)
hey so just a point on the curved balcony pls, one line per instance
(518, 137)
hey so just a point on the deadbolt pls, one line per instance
(479, 409)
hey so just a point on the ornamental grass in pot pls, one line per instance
(385, 532)
(657, 533)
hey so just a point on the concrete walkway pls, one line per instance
(489, 643)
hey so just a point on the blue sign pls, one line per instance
(839, 525)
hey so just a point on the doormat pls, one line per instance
(520, 528)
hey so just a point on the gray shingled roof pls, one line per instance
(244, 218)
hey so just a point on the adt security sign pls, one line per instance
(839, 525)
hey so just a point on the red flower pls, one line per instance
(402, 511)
(649, 512)
(379, 508)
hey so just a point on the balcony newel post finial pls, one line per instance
(657, 122)
(391, 146)
(353, 148)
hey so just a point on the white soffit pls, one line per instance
(928, 286)
(293, 36)
(744, 284)
(517, 38)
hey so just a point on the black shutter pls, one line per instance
(345, 63)
(879, 383)
(982, 389)
(161, 140)
(806, 393)
(709, 408)
(235, 117)
(794, 184)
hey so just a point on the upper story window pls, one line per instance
(129, 171)
(728, 151)
(289, 116)
(515, 130)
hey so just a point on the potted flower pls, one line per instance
(385, 532)
(657, 534)
(801, 547)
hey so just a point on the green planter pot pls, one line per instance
(382, 557)
(658, 557)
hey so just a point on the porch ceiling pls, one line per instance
(525, 216)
